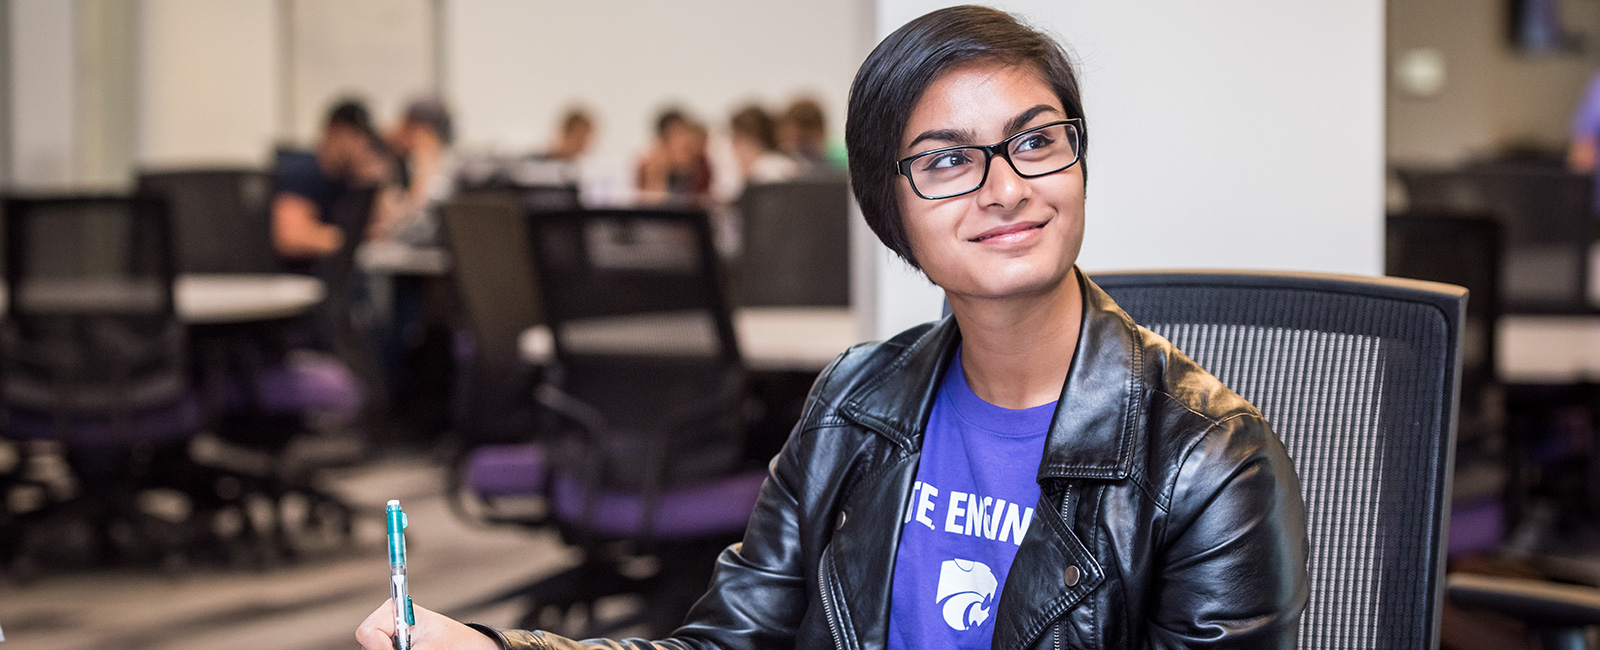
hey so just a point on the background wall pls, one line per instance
(514, 67)
(209, 90)
(1493, 96)
(1233, 134)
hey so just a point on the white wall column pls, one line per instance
(43, 95)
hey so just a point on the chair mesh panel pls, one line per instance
(1359, 388)
(220, 218)
(91, 328)
(642, 333)
(796, 243)
(494, 273)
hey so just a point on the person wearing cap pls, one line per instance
(349, 154)
(421, 143)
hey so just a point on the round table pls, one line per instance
(204, 298)
(200, 298)
(803, 339)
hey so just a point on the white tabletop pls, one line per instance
(203, 298)
(397, 258)
(1549, 349)
(770, 338)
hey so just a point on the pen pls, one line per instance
(398, 589)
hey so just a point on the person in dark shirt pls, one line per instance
(349, 154)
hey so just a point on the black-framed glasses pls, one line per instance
(953, 171)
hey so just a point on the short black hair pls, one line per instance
(433, 114)
(350, 113)
(897, 72)
(668, 118)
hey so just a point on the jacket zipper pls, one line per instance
(1068, 514)
(827, 601)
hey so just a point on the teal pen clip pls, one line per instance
(398, 589)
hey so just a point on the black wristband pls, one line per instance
(499, 639)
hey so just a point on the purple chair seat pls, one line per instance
(1476, 526)
(714, 507)
(303, 383)
(502, 471)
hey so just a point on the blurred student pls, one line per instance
(755, 147)
(676, 167)
(1586, 131)
(803, 134)
(577, 133)
(348, 155)
(421, 142)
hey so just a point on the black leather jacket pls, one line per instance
(1170, 515)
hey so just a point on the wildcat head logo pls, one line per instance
(966, 592)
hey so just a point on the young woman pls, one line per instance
(1035, 472)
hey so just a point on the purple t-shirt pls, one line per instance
(974, 497)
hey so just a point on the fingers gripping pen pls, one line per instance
(398, 589)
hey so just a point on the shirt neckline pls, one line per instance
(1031, 422)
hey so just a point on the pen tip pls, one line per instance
(394, 502)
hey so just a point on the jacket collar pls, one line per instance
(1091, 434)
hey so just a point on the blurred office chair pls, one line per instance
(94, 360)
(648, 386)
(1548, 214)
(541, 197)
(1465, 250)
(795, 243)
(499, 459)
(220, 217)
(1358, 376)
(277, 397)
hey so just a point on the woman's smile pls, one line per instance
(1014, 234)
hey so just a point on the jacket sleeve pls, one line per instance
(1232, 566)
(757, 596)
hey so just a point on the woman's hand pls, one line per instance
(433, 631)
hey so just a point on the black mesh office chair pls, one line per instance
(220, 217)
(93, 357)
(1359, 377)
(649, 387)
(499, 460)
(795, 243)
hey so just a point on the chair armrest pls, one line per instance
(1547, 603)
(589, 419)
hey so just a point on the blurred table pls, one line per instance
(1549, 349)
(385, 257)
(770, 338)
(202, 298)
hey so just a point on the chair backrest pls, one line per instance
(221, 218)
(642, 332)
(1548, 215)
(342, 315)
(494, 274)
(91, 328)
(795, 243)
(541, 198)
(1359, 378)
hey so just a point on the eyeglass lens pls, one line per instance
(960, 170)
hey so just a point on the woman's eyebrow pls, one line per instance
(952, 136)
(1022, 119)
